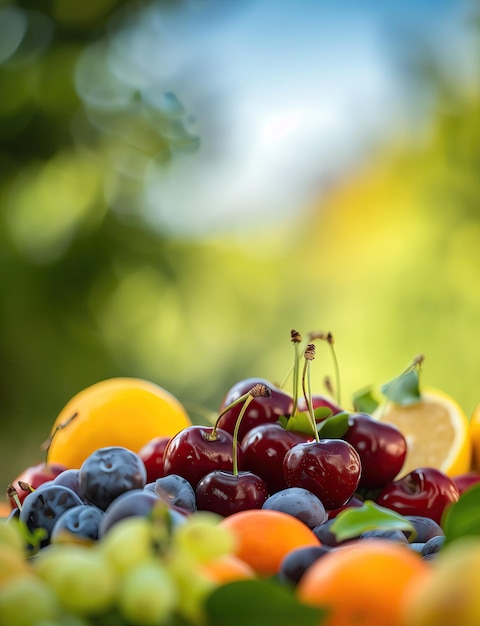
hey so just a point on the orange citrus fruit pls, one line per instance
(437, 432)
(362, 583)
(264, 537)
(475, 437)
(227, 568)
(125, 412)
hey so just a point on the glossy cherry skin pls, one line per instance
(353, 502)
(192, 454)
(264, 448)
(329, 468)
(224, 493)
(466, 480)
(259, 411)
(36, 475)
(425, 491)
(381, 446)
(152, 456)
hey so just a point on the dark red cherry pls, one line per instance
(425, 491)
(152, 456)
(225, 493)
(466, 480)
(381, 446)
(194, 452)
(259, 411)
(35, 475)
(264, 448)
(329, 468)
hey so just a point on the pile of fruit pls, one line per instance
(287, 507)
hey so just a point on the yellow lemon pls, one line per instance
(437, 432)
(125, 412)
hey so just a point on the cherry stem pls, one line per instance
(309, 355)
(295, 338)
(328, 337)
(12, 493)
(243, 398)
(48, 442)
(257, 391)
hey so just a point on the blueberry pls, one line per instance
(296, 563)
(300, 503)
(80, 524)
(109, 472)
(176, 491)
(137, 502)
(43, 507)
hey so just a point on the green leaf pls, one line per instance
(353, 521)
(403, 389)
(334, 426)
(364, 402)
(462, 518)
(300, 423)
(258, 602)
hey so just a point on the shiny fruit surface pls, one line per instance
(125, 412)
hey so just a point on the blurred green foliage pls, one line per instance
(389, 260)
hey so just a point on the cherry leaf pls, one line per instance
(259, 602)
(335, 426)
(364, 401)
(462, 518)
(300, 423)
(403, 389)
(354, 521)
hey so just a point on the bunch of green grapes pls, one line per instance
(143, 571)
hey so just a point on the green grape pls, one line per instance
(128, 543)
(27, 601)
(202, 538)
(12, 563)
(81, 577)
(148, 595)
(193, 586)
(10, 535)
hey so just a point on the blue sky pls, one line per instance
(286, 94)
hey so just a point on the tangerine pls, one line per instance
(126, 412)
(264, 537)
(363, 583)
(227, 568)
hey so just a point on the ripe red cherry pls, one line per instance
(259, 411)
(466, 480)
(381, 446)
(425, 491)
(193, 453)
(35, 475)
(225, 493)
(329, 468)
(264, 448)
(152, 456)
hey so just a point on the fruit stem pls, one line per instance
(243, 398)
(48, 442)
(309, 355)
(328, 337)
(295, 338)
(258, 391)
(12, 493)
(25, 486)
